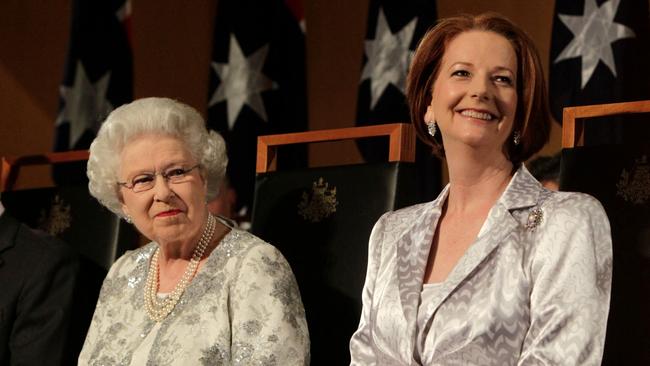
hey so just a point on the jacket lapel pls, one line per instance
(522, 192)
(412, 249)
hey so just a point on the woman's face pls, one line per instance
(474, 96)
(168, 211)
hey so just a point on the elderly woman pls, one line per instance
(202, 292)
(497, 270)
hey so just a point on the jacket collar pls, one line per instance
(415, 242)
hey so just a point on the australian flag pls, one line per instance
(600, 54)
(257, 83)
(98, 76)
(394, 31)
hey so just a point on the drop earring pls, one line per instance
(432, 128)
(516, 138)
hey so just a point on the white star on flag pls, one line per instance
(124, 12)
(84, 104)
(593, 35)
(242, 82)
(388, 58)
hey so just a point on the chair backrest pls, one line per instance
(619, 177)
(573, 118)
(321, 218)
(67, 210)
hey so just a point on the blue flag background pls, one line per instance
(600, 54)
(394, 30)
(257, 84)
(98, 77)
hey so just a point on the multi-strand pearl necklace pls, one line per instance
(159, 309)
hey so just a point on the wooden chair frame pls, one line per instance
(573, 118)
(401, 141)
(11, 165)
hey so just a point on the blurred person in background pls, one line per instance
(38, 275)
(546, 169)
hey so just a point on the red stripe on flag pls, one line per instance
(296, 8)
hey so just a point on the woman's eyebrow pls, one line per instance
(503, 68)
(461, 63)
(175, 164)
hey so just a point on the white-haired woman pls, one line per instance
(202, 292)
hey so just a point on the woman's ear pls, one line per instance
(429, 115)
(204, 176)
(125, 210)
(205, 182)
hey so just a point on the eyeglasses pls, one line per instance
(146, 181)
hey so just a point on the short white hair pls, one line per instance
(152, 116)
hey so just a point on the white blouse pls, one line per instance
(427, 298)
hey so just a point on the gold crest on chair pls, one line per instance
(318, 204)
(57, 218)
(634, 186)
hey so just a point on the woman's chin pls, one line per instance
(167, 230)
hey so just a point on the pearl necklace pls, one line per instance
(159, 309)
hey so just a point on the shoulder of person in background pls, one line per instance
(546, 169)
(38, 274)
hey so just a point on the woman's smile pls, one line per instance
(477, 114)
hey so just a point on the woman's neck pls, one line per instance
(178, 250)
(181, 248)
(476, 181)
(172, 256)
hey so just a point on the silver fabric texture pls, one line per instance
(242, 308)
(520, 295)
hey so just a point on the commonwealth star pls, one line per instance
(84, 104)
(388, 56)
(593, 35)
(242, 81)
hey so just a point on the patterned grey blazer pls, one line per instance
(533, 289)
(242, 308)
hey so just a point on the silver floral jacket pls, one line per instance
(243, 307)
(533, 289)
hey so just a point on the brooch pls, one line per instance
(534, 219)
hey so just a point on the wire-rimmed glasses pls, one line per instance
(146, 181)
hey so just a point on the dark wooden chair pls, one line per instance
(618, 176)
(321, 218)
